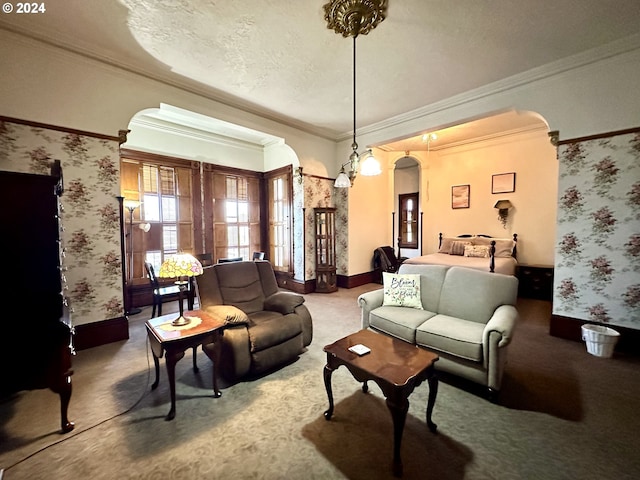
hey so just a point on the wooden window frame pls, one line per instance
(286, 173)
(188, 224)
(213, 208)
(403, 199)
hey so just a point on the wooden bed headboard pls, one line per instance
(492, 249)
(468, 235)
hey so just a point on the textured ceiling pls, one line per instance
(277, 58)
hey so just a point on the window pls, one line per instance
(201, 207)
(237, 217)
(232, 212)
(159, 206)
(408, 227)
(279, 221)
(164, 188)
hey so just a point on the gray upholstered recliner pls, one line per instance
(266, 327)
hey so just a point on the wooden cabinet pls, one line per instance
(36, 342)
(536, 281)
(325, 237)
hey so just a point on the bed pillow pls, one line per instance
(457, 248)
(504, 246)
(481, 251)
(445, 245)
(401, 290)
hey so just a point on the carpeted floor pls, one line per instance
(563, 414)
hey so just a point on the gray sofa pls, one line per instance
(468, 318)
(266, 327)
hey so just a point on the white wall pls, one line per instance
(238, 155)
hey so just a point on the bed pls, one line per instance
(480, 252)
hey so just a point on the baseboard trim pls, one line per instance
(571, 329)
(343, 281)
(95, 334)
(353, 281)
(286, 281)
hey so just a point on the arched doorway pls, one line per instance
(407, 223)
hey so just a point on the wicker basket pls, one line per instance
(600, 340)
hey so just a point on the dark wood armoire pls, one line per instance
(36, 329)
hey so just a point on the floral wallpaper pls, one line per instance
(597, 271)
(298, 227)
(90, 215)
(320, 192)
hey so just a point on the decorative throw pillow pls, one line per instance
(481, 251)
(457, 248)
(229, 314)
(401, 290)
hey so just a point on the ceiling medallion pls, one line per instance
(351, 18)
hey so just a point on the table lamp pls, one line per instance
(179, 266)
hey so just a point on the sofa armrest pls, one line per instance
(503, 322)
(283, 302)
(496, 337)
(367, 302)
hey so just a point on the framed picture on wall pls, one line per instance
(460, 196)
(503, 183)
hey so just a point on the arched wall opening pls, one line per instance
(174, 132)
(474, 155)
(406, 221)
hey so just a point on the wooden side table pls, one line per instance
(166, 339)
(397, 367)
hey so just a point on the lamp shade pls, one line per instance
(180, 265)
(503, 204)
(342, 180)
(131, 204)
(370, 165)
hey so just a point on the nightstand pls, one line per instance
(536, 281)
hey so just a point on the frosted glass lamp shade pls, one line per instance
(370, 166)
(342, 180)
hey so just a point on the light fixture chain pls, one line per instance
(353, 18)
(354, 145)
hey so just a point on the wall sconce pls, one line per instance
(503, 207)
(299, 174)
(145, 227)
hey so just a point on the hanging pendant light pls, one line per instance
(352, 18)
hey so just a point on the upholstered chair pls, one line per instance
(266, 327)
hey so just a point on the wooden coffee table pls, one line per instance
(397, 367)
(174, 341)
